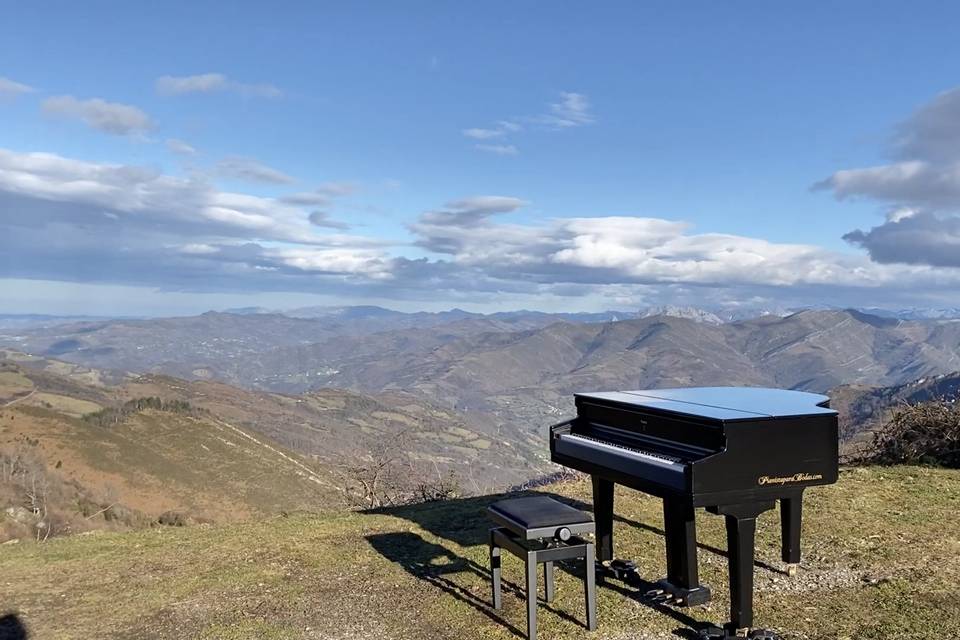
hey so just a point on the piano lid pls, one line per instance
(723, 403)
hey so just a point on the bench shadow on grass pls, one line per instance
(464, 522)
(12, 627)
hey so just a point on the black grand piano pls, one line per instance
(732, 450)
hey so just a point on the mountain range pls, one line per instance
(511, 372)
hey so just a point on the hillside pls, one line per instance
(84, 444)
(218, 460)
(862, 407)
(504, 377)
(880, 562)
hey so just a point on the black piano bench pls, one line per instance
(541, 530)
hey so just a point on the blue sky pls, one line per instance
(455, 155)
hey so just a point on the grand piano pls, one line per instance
(734, 451)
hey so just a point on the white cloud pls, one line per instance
(10, 89)
(87, 191)
(499, 149)
(251, 170)
(572, 110)
(109, 117)
(369, 263)
(211, 83)
(483, 134)
(184, 233)
(180, 147)
(646, 251)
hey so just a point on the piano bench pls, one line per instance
(541, 530)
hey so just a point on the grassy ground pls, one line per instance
(881, 561)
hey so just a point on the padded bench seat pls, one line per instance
(541, 530)
(538, 517)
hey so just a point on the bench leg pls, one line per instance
(495, 572)
(590, 586)
(532, 595)
(548, 581)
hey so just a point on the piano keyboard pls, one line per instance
(614, 445)
(657, 468)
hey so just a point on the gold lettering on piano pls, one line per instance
(797, 477)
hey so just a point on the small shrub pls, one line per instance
(173, 519)
(116, 415)
(919, 433)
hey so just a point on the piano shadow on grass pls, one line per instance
(12, 627)
(464, 522)
(437, 565)
(759, 564)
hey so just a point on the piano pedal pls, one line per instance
(714, 632)
(680, 597)
(623, 569)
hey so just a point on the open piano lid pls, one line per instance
(722, 403)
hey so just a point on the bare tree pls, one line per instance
(387, 475)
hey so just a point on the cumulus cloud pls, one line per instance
(10, 89)
(917, 237)
(921, 188)
(644, 251)
(933, 131)
(180, 147)
(109, 117)
(916, 183)
(212, 83)
(250, 170)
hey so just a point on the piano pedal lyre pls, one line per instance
(713, 632)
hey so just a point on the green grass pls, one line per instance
(880, 561)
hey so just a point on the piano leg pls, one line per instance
(680, 527)
(791, 510)
(741, 522)
(603, 516)
(680, 533)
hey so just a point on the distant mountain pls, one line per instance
(210, 345)
(690, 313)
(246, 311)
(512, 370)
(15, 321)
(917, 313)
(527, 378)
